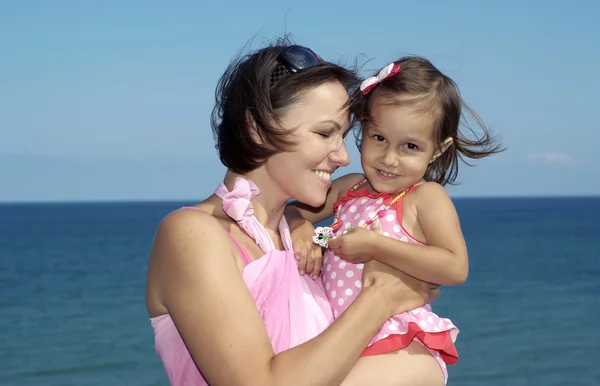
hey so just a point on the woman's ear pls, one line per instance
(442, 149)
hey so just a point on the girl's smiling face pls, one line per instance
(398, 147)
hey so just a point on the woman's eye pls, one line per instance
(324, 135)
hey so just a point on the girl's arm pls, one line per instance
(339, 186)
(201, 287)
(443, 261)
(301, 218)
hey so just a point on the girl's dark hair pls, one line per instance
(245, 118)
(419, 84)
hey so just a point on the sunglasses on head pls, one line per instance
(294, 59)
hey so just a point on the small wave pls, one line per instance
(78, 369)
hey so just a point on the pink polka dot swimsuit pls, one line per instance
(342, 281)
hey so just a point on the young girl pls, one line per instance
(410, 144)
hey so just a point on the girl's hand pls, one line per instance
(355, 246)
(308, 254)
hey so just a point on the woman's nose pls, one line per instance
(341, 156)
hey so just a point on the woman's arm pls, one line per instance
(443, 260)
(339, 186)
(202, 289)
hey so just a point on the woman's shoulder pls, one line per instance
(203, 216)
(184, 243)
(188, 217)
(190, 236)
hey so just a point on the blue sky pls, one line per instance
(110, 100)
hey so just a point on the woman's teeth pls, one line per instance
(323, 175)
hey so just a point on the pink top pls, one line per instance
(343, 279)
(294, 308)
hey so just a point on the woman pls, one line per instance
(227, 302)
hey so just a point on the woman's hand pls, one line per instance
(402, 292)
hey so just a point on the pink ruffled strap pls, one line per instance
(237, 205)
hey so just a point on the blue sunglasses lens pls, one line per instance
(294, 59)
(297, 58)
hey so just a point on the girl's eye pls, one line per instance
(378, 138)
(412, 146)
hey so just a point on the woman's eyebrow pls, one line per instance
(336, 124)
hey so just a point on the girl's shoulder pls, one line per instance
(429, 198)
(428, 191)
(344, 183)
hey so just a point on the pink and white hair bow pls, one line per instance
(388, 71)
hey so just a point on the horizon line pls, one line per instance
(180, 200)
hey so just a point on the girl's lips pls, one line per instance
(385, 175)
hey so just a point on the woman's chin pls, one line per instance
(314, 199)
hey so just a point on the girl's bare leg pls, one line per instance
(411, 366)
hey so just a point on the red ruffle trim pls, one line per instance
(437, 341)
(362, 192)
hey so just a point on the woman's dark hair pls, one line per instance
(248, 109)
(419, 84)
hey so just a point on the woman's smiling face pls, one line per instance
(319, 122)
